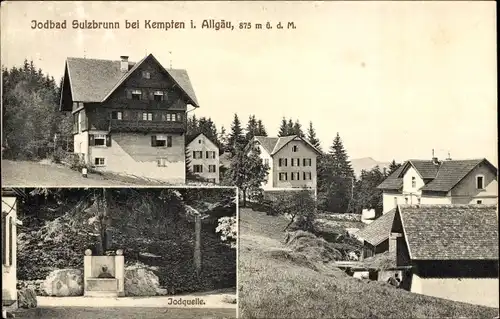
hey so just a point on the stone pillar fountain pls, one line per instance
(104, 275)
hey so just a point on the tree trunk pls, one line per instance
(290, 223)
(244, 197)
(197, 244)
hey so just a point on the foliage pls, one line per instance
(335, 179)
(228, 230)
(299, 206)
(393, 167)
(289, 127)
(366, 194)
(311, 136)
(236, 140)
(31, 117)
(247, 171)
(254, 128)
(203, 126)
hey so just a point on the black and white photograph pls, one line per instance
(359, 138)
(119, 252)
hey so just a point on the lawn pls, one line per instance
(124, 313)
(275, 282)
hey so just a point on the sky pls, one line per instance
(394, 79)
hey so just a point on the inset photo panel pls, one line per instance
(119, 252)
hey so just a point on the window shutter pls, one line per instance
(129, 94)
(91, 140)
(144, 94)
(153, 140)
(108, 140)
(151, 95)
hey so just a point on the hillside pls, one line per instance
(366, 163)
(278, 282)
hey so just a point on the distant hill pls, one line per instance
(366, 163)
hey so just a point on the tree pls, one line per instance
(299, 206)
(393, 167)
(261, 130)
(236, 139)
(223, 138)
(311, 137)
(247, 171)
(251, 128)
(283, 128)
(289, 127)
(297, 129)
(367, 196)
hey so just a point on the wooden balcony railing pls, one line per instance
(146, 126)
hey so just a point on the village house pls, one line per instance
(9, 248)
(441, 182)
(452, 251)
(375, 236)
(291, 160)
(204, 158)
(129, 117)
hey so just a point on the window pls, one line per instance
(479, 202)
(179, 117)
(158, 95)
(99, 161)
(406, 200)
(147, 116)
(99, 139)
(282, 162)
(295, 148)
(162, 162)
(295, 176)
(480, 182)
(197, 154)
(198, 168)
(199, 141)
(210, 154)
(307, 176)
(146, 75)
(212, 169)
(282, 177)
(413, 182)
(419, 200)
(170, 117)
(116, 115)
(136, 94)
(306, 162)
(161, 141)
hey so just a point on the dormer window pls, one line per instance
(413, 182)
(116, 115)
(480, 182)
(295, 148)
(136, 94)
(146, 75)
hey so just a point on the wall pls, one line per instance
(81, 144)
(466, 192)
(407, 185)
(264, 155)
(304, 151)
(389, 202)
(9, 273)
(436, 200)
(132, 153)
(479, 291)
(203, 144)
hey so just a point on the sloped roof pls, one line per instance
(378, 230)
(93, 80)
(273, 144)
(451, 232)
(440, 178)
(188, 142)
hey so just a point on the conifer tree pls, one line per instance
(393, 167)
(311, 137)
(297, 129)
(261, 130)
(236, 139)
(283, 128)
(251, 128)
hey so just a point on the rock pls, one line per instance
(26, 298)
(64, 282)
(140, 281)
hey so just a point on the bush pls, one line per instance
(228, 230)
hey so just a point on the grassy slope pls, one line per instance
(275, 283)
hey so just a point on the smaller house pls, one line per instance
(291, 160)
(441, 182)
(452, 251)
(204, 158)
(9, 248)
(375, 236)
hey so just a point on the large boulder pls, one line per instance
(139, 281)
(26, 298)
(64, 282)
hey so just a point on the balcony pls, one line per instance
(146, 126)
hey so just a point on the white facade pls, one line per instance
(204, 156)
(9, 250)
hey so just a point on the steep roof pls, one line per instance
(440, 178)
(273, 144)
(379, 230)
(188, 142)
(93, 80)
(451, 232)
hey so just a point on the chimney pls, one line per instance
(124, 63)
(449, 157)
(435, 160)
